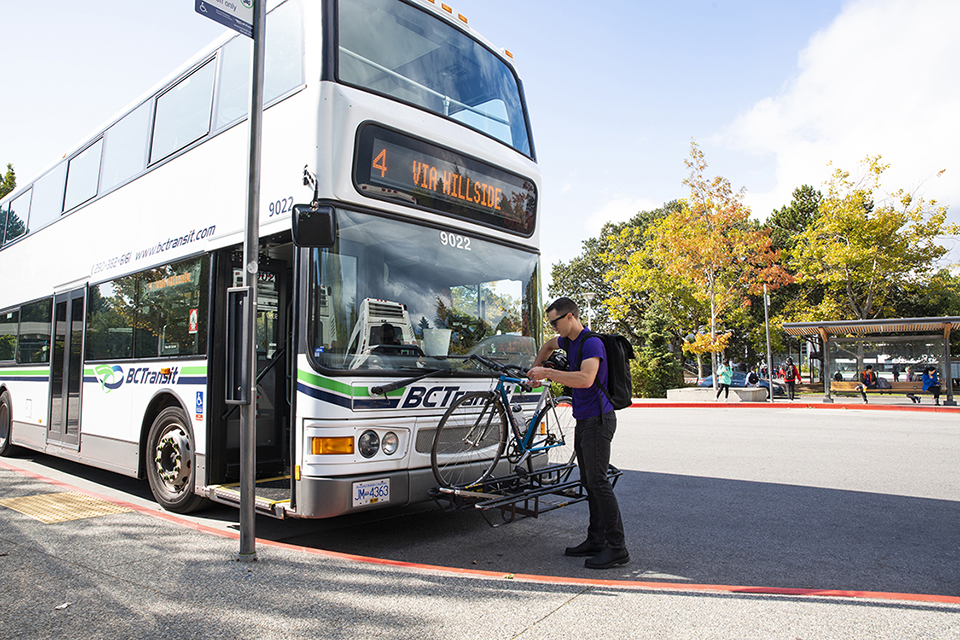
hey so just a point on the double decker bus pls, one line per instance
(393, 117)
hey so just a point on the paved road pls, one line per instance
(776, 497)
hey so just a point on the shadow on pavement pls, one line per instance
(697, 530)
(682, 529)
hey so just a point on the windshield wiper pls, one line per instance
(382, 390)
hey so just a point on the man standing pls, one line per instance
(596, 423)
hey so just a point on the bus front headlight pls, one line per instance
(390, 443)
(368, 444)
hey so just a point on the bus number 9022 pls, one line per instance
(455, 241)
(279, 207)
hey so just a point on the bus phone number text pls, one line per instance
(111, 263)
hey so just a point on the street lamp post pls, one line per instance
(589, 296)
(766, 321)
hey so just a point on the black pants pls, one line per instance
(725, 389)
(791, 387)
(592, 441)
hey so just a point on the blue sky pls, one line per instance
(772, 91)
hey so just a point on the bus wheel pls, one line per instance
(6, 425)
(171, 467)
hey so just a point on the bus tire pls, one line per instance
(6, 425)
(171, 462)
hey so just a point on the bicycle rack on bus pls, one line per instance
(514, 495)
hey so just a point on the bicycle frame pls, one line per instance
(524, 440)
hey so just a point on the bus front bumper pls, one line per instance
(326, 497)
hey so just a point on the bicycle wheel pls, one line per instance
(555, 424)
(469, 441)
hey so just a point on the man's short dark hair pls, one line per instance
(563, 306)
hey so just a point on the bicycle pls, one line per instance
(473, 436)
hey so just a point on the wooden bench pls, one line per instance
(895, 387)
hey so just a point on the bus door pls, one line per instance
(273, 416)
(273, 411)
(66, 369)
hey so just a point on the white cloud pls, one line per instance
(881, 79)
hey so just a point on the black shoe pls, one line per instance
(585, 548)
(608, 558)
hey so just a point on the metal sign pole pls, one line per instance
(248, 414)
(766, 320)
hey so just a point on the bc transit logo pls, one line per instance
(110, 377)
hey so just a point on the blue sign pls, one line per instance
(234, 14)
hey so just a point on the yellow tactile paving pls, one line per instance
(61, 507)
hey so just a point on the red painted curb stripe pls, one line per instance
(785, 404)
(518, 577)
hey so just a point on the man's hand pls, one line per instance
(538, 373)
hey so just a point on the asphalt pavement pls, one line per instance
(743, 522)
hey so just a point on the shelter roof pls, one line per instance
(873, 327)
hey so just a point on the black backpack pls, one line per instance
(619, 355)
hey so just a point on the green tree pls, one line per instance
(938, 295)
(9, 182)
(863, 253)
(657, 367)
(786, 223)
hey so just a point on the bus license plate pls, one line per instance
(371, 492)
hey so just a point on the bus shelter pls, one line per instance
(890, 344)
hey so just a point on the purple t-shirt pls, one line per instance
(589, 402)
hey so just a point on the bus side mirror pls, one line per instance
(314, 227)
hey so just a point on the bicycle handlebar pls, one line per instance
(520, 380)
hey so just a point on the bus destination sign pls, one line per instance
(394, 166)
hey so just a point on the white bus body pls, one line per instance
(115, 262)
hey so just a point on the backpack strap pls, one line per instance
(596, 379)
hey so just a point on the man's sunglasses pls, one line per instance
(554, 322)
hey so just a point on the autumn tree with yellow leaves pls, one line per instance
(707, 250)
(866, 246)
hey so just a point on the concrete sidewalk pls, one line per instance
(115, 569)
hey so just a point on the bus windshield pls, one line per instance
(394, 49)
(399, 297)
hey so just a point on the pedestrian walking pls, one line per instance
(724, 378)
(790, 376)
